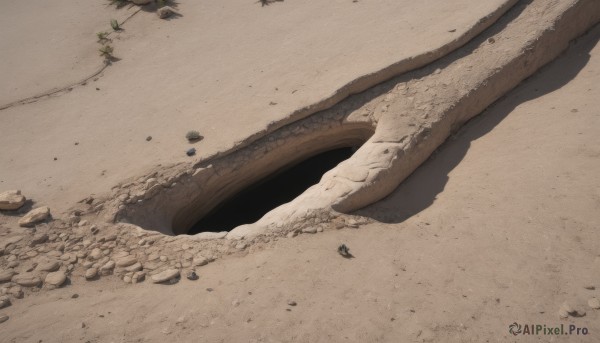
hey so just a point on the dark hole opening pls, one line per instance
(255, 201)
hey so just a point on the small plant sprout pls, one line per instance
(115, 24)
(193, 136)
(102, 36)
(106, 51)
(344, 251)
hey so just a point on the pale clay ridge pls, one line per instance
(410, 127)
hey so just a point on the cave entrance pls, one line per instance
(282, 186)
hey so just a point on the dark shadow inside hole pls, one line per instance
(251, 204)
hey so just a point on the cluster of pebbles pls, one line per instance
(44, 253)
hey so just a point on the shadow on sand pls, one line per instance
(421, 188)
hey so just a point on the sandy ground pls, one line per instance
(499, 226)
(225, 68)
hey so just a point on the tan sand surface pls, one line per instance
(228, 69)
(499, 226)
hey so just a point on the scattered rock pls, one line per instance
(241, 246)
(27, 280)
(48, 266)
(11, 200)
(96, 254)
(107, 268)
(191, 152)
(126, 261)
(590, 287)
(165, 12)
(191, 275)
(200, 261)
(149, 138)
(3, 317)
(55, 279)
(166, 275)
(138, 277)
(594, 303)
(309, 230)
(292, 303)
(91, 273)
(292, 234)
(39, 238)
(4, 301)
(35, 216)
(134, 267)
(6, 275)
(567, 310)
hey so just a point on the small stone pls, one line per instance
(164, 258)
(4, 301)
(241, 246)
(134, 267)
(56, 279)
(191, 275)
(292, 303)
(166, 275)
(6, 275)
(11, 200)
(292, 234)
(3, 317)
(352, 223)
(309, 230)
(16, 291)
(107, 268)
(35, 216)
(149, 138)
(91, 273)
(191, 152)
(200, 261)
(27, 280)
(165, 12)
(594, 303)
(95, 254)
(590, 287)
(570, 311)
(48, 266)
(126, 261)
(74, 296)
(138, 277)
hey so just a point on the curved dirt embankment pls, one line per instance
(413, 115)
(233, 70)
(173, 198)
(415, 121)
